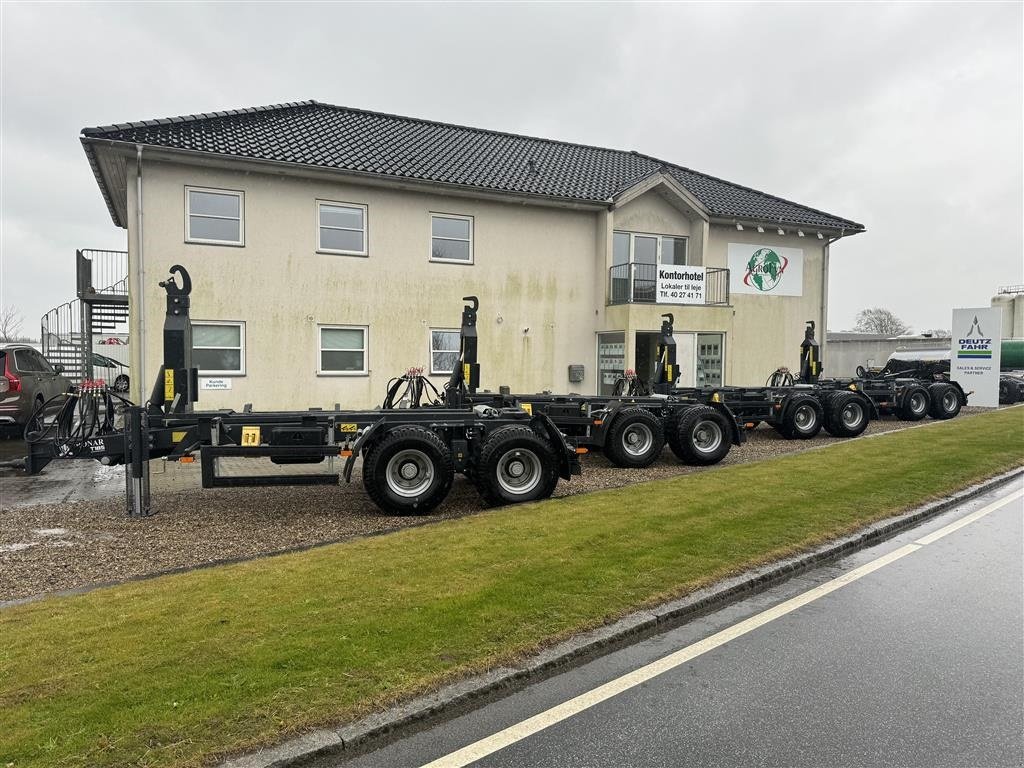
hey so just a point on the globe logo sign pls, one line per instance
(764, 270)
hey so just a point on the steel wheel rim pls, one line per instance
(853, 415)
(519, 471)
(918, 403)
(949, 401)
(637, 439)
(409, 473)
(707, 437)
(804, 418)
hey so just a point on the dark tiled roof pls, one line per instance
(316, 134)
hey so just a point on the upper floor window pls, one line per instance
(341, 228)
(342, 349)
(637, 248)
(218, 348)
(444, 350)
(451, 238)
(214, 216)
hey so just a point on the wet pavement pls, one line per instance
(918, 662)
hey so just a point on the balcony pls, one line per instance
(637, 283)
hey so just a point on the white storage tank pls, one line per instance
(1018, 317)
(1005, 303)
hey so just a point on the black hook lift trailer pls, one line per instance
(799, 408)
(409, 456)
(631, 430)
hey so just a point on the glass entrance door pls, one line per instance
(710, 359)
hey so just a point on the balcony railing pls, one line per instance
(101, 272)
(637, 283)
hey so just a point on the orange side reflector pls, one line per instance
(598, 422)
(582, 450)
(187, 459)
(345, 454)
(749, 425)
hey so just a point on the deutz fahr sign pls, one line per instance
(974, 356)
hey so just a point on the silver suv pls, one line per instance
(26, 381)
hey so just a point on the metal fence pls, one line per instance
(637, 283)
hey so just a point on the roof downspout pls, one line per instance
(140, 291)
(822, 341)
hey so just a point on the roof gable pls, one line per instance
(320, 135)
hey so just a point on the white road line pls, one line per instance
(486, 746)
(968, 519)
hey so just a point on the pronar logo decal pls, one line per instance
(974, 345)
(765, 269)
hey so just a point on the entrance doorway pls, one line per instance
(710, 359)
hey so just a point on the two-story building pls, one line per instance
(330, 249)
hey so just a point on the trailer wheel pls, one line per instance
(845, 415)
(408, 472)
(1009, 391)
(945, 401)
(915, 403)
(516, 465)
(635, 439)
(699, 435)
(803, 419)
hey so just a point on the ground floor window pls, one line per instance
(342, 349)
(710, 359)
(444, 350)
(611, 360)
(218, 347)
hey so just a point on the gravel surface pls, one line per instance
(54, 547)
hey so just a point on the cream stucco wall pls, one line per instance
(541, 268)
(532, 269)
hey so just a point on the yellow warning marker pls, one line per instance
(250, 435)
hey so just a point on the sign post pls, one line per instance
(974, 357)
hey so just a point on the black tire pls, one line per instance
(846, 414)
(915, 403)
(408, 472)
(636, 438)
(1010, 391)
(515, 465)
(803, 418)
(945, 401)
(699, 435)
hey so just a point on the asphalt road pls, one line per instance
(917, 660)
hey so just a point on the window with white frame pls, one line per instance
(214, 216)
(640, 248)
(342, 349)
(451, 238)
(444, 350)
(341, 228)
(218, 348)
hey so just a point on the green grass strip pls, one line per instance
(179, 670)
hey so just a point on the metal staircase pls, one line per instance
(101, 306)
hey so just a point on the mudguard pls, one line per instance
(568, 460)
(739, 435)
(357, 446)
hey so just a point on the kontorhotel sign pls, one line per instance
(974, 355)
(680, 285)
(766, 270)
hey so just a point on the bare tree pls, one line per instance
(879, 320)
(10, 323)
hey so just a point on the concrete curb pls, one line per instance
(378, 729)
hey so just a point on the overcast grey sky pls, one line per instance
(905, 117)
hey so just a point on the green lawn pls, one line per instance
(182, 669)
